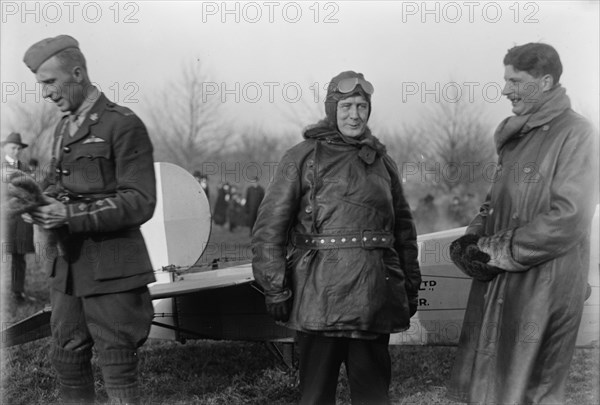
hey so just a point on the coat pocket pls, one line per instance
(118, 256)
(89, 169)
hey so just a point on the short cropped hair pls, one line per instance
(71, 57)
(537, 59)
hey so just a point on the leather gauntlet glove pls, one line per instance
(465, 253)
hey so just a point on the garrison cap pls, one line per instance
(43, 50)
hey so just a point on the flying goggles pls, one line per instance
(348, 85)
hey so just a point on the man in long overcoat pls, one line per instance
(520, 328)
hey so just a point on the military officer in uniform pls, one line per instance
(102, 189)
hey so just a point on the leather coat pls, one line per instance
(519, 329)
(329, 191)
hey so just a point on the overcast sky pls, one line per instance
(262, 57)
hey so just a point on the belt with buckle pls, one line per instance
(363, 239)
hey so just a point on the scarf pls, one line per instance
(552, 104)
(368, 144)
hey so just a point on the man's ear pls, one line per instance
(547, 82)
(77, 73)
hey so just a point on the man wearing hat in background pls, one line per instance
(335, 249)
(102, 189)
(17, 235)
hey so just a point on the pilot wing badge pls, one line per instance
(93, 139)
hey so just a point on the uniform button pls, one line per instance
(545, 127)
(332, 240)
(491, 211)
(58, 170)
(310, 163)
(308, 209)
(66, 172)
(343, 240)
(500, 301)
(383, 239)
(527, 170)
(374, 239)
(515, 216)
(322, 241)
(353, 239)
(66, 149)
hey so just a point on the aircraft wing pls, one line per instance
(207, 280)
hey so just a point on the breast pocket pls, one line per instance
(89, 170)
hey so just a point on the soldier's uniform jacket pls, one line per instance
(104, 173)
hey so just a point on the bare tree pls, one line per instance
(185, 126)
(456, 146)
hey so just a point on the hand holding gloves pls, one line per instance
(467, 256)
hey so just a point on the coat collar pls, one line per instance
(94, 116)
(556, 102)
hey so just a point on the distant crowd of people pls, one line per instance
(231, 207)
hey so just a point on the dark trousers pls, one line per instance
(368, 366)
(116, 324)
(18, 268)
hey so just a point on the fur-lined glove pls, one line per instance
(472, 261)
(24, 194)
(499, 248)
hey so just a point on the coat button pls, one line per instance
(310, 163)
(66, 172)
(308, 209)
(66, 149)
(545, 127)
(491, 211)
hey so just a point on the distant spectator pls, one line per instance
(235, 210)
(426, 215)
(203, 180)
(254, 196)
(220, 213)
(17, 235)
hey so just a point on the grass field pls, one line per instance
(223, 372)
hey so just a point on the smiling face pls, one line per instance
(65, 88)
(523, 90)
(352, 115)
